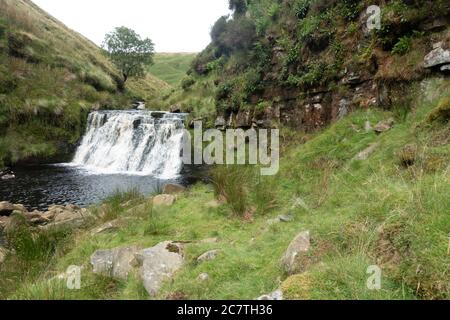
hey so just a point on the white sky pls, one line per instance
(173, 25)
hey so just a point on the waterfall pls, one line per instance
(134, 142)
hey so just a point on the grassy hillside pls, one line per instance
(389, 210)
(50, 77)
(171, 67)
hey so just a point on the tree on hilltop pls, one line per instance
(129, 51)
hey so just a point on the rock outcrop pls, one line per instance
(158, 264)
(153, 265)
(292, 260)
(115, 263)
(57, 216)
(438, 57)
(69, 216)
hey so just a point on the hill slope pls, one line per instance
(50, 77)
(171, 67)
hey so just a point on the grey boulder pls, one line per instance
(292, 260)
(158, 264)
(437, 57)
(115, 263)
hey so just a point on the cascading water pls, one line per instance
(133, 142)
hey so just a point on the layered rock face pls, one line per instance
(315, 61)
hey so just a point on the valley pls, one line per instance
(96, 178)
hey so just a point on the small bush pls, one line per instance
(301, 8)
(187, 83)
(403, 46)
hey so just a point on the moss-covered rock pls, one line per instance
(441, 113)
(297, 287)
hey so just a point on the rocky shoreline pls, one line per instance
(153, 265)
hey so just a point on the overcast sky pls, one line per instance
(173, 25)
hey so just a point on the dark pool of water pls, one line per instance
(38, 187)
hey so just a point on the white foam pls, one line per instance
(124, 142)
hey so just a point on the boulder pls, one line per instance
(437, 57)
(208, 256)
(158, 264)
(384, 126)
(203, 277)
(154, 264)
(6, 208)
(173, 189)
(296, 252)
(276, 295)
(115, 263)
(164, 200)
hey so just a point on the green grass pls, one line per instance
(171, 67)
(359, 213)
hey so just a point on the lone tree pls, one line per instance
(129, 52)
